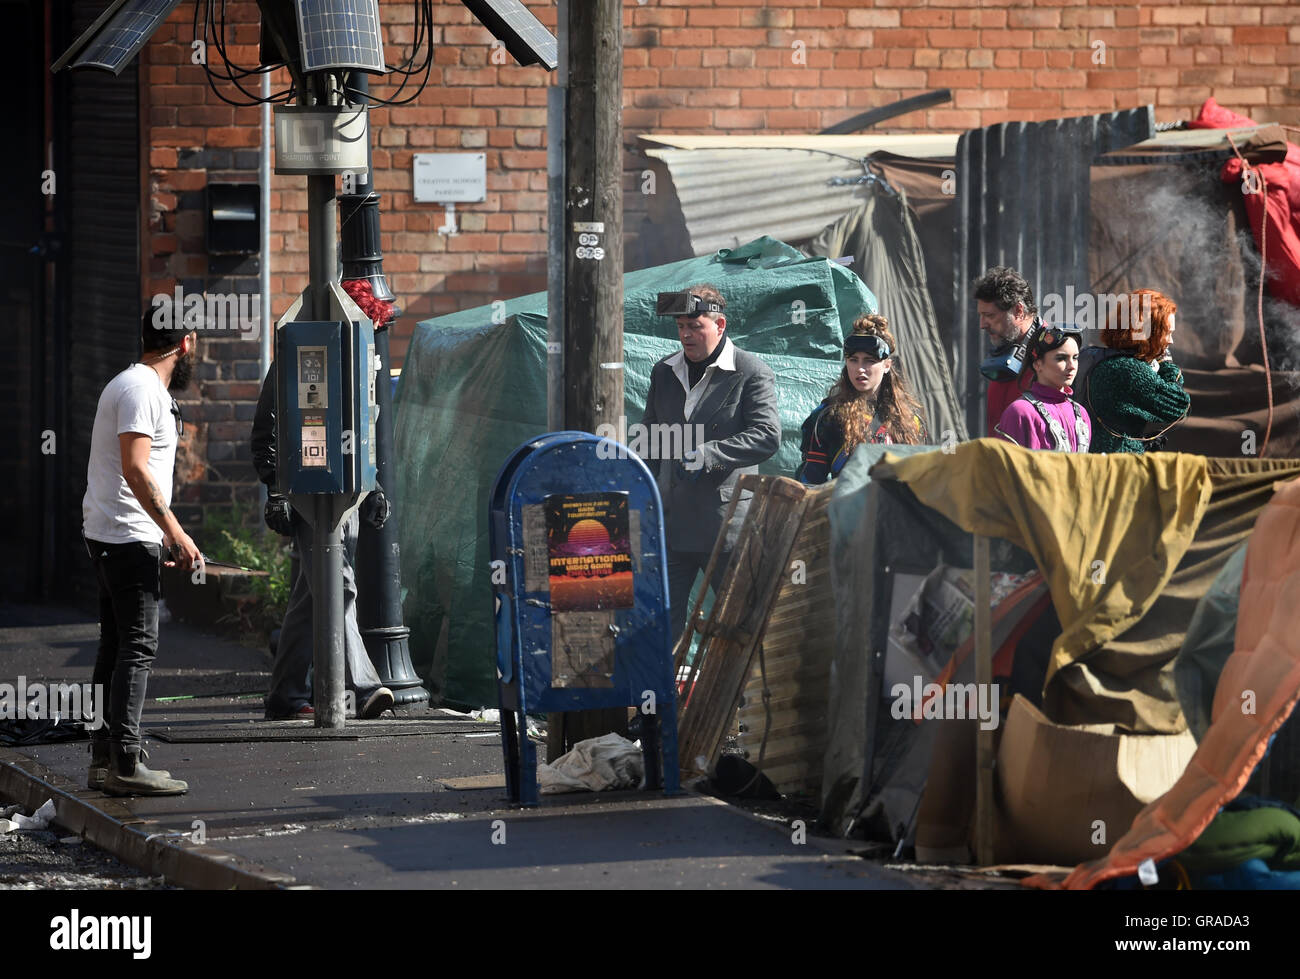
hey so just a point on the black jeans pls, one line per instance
(130, 587)
(683, 568)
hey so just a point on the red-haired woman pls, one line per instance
(1136, 394)
(870, 402)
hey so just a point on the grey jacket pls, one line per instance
(741, 428)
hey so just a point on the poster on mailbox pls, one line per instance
(590, 552)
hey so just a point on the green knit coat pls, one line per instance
(1126, 396)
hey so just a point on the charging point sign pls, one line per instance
(325, 401)
(315, 449)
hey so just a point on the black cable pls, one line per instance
(219, 46)
(423, 26)
(427, 7)
(233, 73)
(428, 65)
(219, 42)
(219, 38)
(421, 23)
(209, 25)
(230, 65)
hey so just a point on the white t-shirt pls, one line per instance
(134, 401)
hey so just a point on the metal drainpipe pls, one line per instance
(264, 265)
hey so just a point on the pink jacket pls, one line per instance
(1022, 423)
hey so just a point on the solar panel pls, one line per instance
(340, 34)
(525, 37)
(117, 35)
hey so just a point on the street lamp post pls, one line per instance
(378, 562)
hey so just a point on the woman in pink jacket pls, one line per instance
(1045, 416)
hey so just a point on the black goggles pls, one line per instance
(866, 343)
(685, 304)
(1051, 337)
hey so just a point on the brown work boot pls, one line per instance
(127, 775)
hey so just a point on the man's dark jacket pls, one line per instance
(263, 436)
(741, 429)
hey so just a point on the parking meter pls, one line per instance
(325, 407)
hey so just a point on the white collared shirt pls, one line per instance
(726, 362)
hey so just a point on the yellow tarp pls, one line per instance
(1257, 691)
(1107, 532)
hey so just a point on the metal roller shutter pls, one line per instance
(102, 271)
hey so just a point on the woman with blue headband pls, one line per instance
(869, 402)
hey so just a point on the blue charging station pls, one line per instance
(580, 585)
(325, 407)
(325, 446)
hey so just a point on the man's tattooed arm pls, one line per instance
(154, 501)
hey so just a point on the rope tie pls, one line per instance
(1263, 270)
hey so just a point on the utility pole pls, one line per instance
(327, 511)
(592, 215)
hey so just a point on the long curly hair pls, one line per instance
(1140, 324)
(893, 404)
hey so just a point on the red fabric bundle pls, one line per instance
(380, 311)
(1274, 207)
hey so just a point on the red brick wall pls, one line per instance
(733, 66)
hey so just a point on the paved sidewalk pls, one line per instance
(416, 801)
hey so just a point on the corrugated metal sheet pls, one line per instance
(798, 647)
(102, 270)
(1196, 139)
(1023, 200)
(729, 197)
(933, 145)
(731, 190)
(722, 191)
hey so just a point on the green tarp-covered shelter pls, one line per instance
(473, 388)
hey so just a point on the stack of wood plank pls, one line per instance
(767, 645)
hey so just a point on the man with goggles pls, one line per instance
(729, 397)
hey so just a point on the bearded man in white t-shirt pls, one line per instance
(129, 527)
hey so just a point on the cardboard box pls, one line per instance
(1067, 794)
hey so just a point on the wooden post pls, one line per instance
(593, 258)
(984, 757)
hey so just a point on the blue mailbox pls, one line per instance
(581, 588)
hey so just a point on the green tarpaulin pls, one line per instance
(473, 388)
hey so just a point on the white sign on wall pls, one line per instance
(450, 177)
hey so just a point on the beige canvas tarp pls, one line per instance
(1257, 692)
(1127, 544)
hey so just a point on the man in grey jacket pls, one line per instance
(723, 402)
